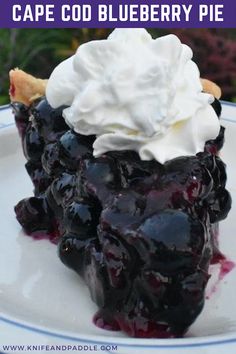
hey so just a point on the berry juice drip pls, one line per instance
(104, 320)
(141, 234)
(226, 265)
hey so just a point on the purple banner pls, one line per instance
(114, 13)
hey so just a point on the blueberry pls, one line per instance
(48, 121)
(183, 300)
(96, 277)
(126, 209)
(72, 249)
(179, 184)
(34, 215)
(216, 105)
(207, 160)
(33, 144)
(193, 286)
(99, 178)
(170, 241)
(215, 145)
(85, 257)
(219, 174)
(142, 313)
(154, 282)
(41, 180)
(119, 260)
(189, 300)
(73, 147)
(220, 205)
(131, 168)
(216, 168)
(128, 202)
(102, 171)
(50, 160)
(57, 208)
(81, 219)
(21, 113)
(63, 189)
(187, 179)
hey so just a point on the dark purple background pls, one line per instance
(229, 14)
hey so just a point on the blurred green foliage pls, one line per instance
(38, 51)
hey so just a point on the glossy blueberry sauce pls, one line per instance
(141, 234)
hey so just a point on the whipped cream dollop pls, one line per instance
(135, 93)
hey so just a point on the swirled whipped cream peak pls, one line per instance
(135, 93)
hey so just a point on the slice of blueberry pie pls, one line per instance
(122, 145)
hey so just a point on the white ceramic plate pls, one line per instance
(42, 303)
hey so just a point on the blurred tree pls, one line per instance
(28, 49)
(38, 51)
(215, 53)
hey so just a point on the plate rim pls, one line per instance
(127, 342)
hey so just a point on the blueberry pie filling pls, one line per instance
(141, 233)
